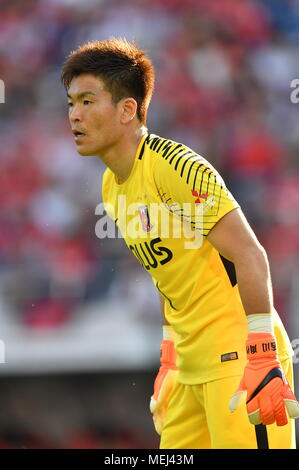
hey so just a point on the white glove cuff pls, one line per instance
(169, 333)
(260, 323)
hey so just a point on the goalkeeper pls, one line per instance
(226, 377)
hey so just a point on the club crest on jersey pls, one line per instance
(199, 196)
(144, 218)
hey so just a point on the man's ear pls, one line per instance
(128, 110)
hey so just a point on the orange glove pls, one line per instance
(264, 384)
(164, 383)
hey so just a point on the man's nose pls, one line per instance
(75, 113)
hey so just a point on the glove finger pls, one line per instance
(236, 400)
(267, 409)
(157, 406)
(166, 389)
(253, 410)
(238, 397)
(279, 393)
(275, 388)
(162, 393)
(162, 374)
(255, 417)
(157, 423)
(290, 402)
(292, 407)
(281, 415)
(153, 405)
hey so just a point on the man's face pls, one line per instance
(93, 114)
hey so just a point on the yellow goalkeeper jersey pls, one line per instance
(165, 210)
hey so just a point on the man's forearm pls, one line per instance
(254, 282)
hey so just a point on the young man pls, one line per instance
(223, 341)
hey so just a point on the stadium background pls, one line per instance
(79, 318)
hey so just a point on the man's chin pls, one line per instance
(84, 152)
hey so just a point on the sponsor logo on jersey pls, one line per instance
(152, 254)
(231, 356)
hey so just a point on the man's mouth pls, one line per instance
(78, 135)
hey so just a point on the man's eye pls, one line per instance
(70, 105)
(86, 102)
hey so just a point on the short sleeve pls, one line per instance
(193, 190)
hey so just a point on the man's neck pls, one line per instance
(120, 158)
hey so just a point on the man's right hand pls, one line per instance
(164, 384)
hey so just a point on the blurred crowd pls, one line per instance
(223, 84)
(229, 65)
(88, 411)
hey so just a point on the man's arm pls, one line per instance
(269, 396)
(234, 239)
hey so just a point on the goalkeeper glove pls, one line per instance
(165, 379)
(264, 384)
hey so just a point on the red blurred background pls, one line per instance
(79, 319)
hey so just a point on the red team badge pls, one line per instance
(198, 196)
(144, 217)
